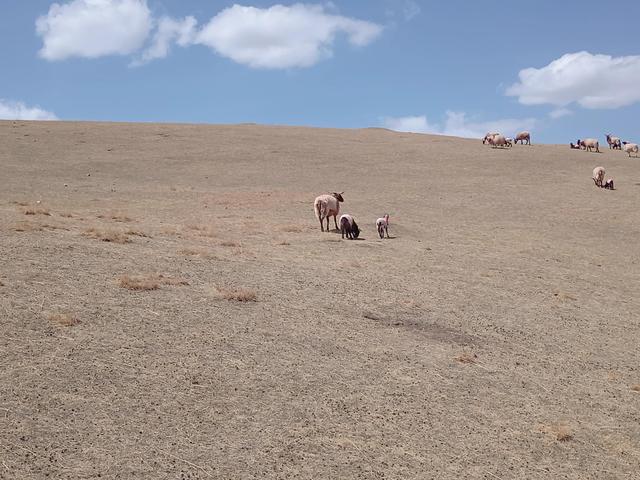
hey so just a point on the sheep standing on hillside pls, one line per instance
(326, 206)
(349, 227)
(509, 141)
(598, 176)
(589, 144)
(614, 142)
(497, 141)
(523, 137)
(487, 136)
(631, 148)
(382, 224)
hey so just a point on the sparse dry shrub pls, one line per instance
(66, 215)
(283, 243)
(236, 294)
(467, 358)
(21, 204)
(37, 211)
(202, 230)
(51, 226)
(63, 319)
(564, 296)
(111, 236)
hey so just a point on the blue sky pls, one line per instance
(563, 70)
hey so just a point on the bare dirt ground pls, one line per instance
(171, 310)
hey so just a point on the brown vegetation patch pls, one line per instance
(564, 296)
(20, 204)
(636, 388)
(202, 230)
(63, 319)
(148, 282)
(117, 217)
(37, 211)
(196, 252)
(66, 215)
(237, 294)
(560, 433)
(111, 236)
(283, 243)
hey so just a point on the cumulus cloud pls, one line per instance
(94, 28)
(19, 111)
(168, 31)
(281, 36)
(458, 125)
(591, 81)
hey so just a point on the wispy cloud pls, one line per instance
(457, 124)
(560, 112)
(591, 81)
(169, 31)
(10, 110)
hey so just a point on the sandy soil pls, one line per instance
(495, 336)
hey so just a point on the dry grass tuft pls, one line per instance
(141, 283)
(283, 243)
(117, 217)
(230, 243)
(467, 358)
(137, 233)
(21, 204)
(635, 388)
(237, 294)
(111, 236)
(37, 211)
(66, 215)
(54, 227)
(63, 319)
(564, 296)
(27, 227)
(203, 230)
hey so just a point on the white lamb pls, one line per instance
(631, 148)
(382, 224)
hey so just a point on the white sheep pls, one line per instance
(349, 227)
(523, 137)
(614, 142)
(382, 224)
(497, 141)
(598, 176)
(589, 144)
(326, 206)
(487, 136)
(631, 148)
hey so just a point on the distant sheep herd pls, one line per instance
(326, 206)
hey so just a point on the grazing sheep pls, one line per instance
(614, 142)
(487, 136)
(382, 224)
(523, 137)
(509, 141)
(609, 184)
(589, 144)
(575, 147)
(598, 176)
(326, 206)
(497, 141)
(631, 148)
(349, 227)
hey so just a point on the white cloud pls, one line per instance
(592, 81)
(168, 31)
(281, 36)
(94, 28)
(560, 112)
(458, 125)
(19, 111)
